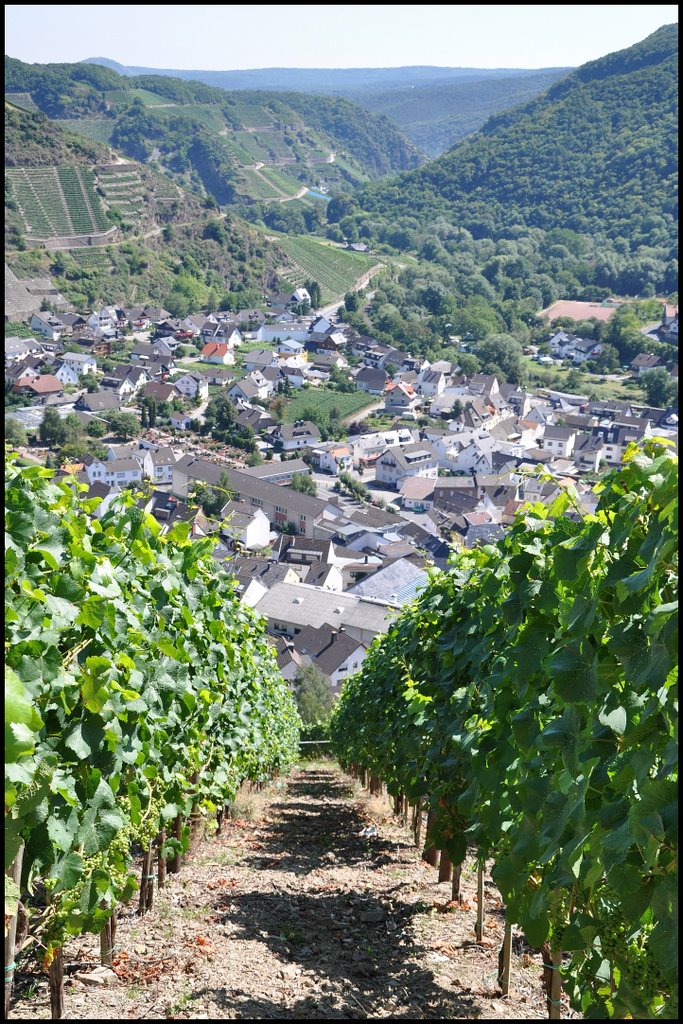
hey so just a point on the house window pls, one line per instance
(256, 501)
(278, 508)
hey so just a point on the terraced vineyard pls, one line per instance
(335, 270)
(23, 100)
(57, 201)
(122, 189)
(252, 115)
(286, 183)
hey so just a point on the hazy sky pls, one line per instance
(334, 35)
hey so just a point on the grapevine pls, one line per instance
(138, 691)
(530, 693)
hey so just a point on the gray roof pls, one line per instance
(273, 468)
(398, 582)
(327, 647)
(308, 606)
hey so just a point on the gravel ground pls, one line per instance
(295, 915)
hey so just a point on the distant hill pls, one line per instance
(322, 81)
(596, 154)
(438, 115)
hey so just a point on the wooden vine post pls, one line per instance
(455, 887)
(555, 998)
(430, 853)
(504, 960)
(176, 860)
(417, 822)
(479, 927)
(146, 901)
(161, 860)
(14, 872)
(107, 940)
(55, 980)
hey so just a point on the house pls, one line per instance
(247, 527)
(105, 320)
(180, 420)
(217, 352)
(151, 352)
(39, 387)
(281, 504)
(615, 440)
(371, 379)
(219, 375)
(82, 362)
(192, 385)
(259, 359)
(18, 348)
(66, 374)
(272, 333)
(332, 650)
(101, 401)
(119, 472)
(644, 362)
(294, 436)
(431, 383)
(292, 607)
(278, 472)
(401, 398)
(559, 441)
(300, 295)
(160, 391)
(248, 389)
(402, 461)
(48, 325)
(397, 583)
(417, 493)
(288, 347)
(334, 459)
(158, 465)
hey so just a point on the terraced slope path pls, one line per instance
(291, 912)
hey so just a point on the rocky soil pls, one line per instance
(295, 914)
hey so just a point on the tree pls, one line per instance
(457, 409)
(124, 424)
(313, 289)
(96, 428)
(305, 483)
(503, 352)
(14, 432)
(574, 380)
(89, 381)
(52, 430)
(212, 498)
(255, 458)
(144, 422)
(660, 390)
(313, 694)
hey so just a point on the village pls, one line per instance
(330, 522)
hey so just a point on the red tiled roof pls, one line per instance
(41, 385)
(215, 348)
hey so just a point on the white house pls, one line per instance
(397, 464)
(559, 441)
(82, 362)
(431, 383)
(180, 420)
(192, 385)
(300, 295)
(247, 526)
(293, 436)
(335, 460)
(218, 352)
(66, 374)
(47, 325)
(401, 398)
(158, 465)
(119, 472)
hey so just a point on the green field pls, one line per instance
(554, 377)
(288, 184)
(252, 115)
(324, 400)
(98, 129)
(150, 99)
(252, 184)
(335, 270)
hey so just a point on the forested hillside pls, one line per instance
(597, 155)
(210, 138)
(438, 115)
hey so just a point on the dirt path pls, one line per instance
(296, 915)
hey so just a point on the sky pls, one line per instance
(235, 37)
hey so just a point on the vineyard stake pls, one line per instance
(455, 888)
(14, 872)
(56, 985)
(174, 864)
(430, 853)
(555, 998)
(479, 928)
(504, 959)
(161, 860)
